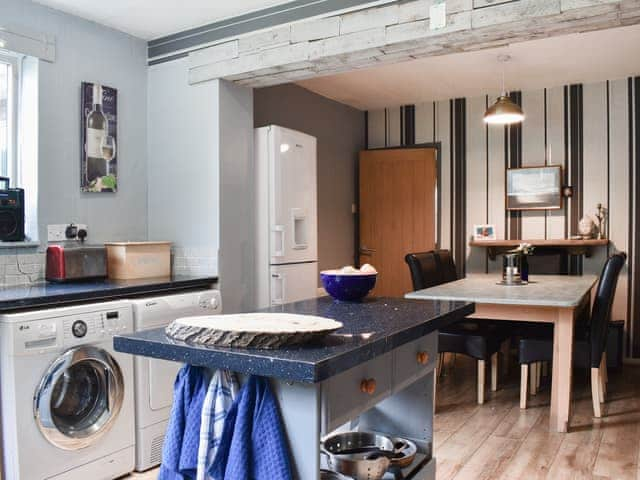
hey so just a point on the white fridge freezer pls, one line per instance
(286, 215)
(293, 282)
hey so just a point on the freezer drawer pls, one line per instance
(291, 283)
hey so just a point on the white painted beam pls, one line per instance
(267, 39)
(514, 12)
(388, 33)
(315, 29)
(216, 53)
(368, 19)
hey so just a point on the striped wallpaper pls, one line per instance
(592, 130)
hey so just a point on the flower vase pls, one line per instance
(524, 268)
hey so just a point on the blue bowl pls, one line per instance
(348, 288)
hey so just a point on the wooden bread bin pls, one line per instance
(133, 260)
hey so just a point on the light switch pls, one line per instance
(438, 15)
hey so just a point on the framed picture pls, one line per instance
(484, 232)
(99, 161)
(534, 188)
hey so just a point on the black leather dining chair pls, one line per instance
(479, 339)
(590, 338)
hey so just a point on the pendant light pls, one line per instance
(504, 111)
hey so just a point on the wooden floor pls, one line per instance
(500, 441)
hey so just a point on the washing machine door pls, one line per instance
(79, 397)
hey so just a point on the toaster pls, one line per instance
(72, 261)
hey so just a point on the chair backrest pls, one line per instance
(447, 265)
(432, 268)
(601, 311)
(424, 270)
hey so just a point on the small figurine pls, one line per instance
(600, 217)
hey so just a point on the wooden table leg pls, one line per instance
(562, 370)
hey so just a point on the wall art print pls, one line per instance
(99, 161)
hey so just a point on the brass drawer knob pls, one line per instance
(423, 358)
(368, 386)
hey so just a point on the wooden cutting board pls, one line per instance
(251, 330)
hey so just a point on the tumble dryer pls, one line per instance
(154, 378)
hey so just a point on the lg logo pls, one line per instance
(23, 327)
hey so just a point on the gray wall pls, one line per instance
(183, 187)
(87, 52)
(340, 131)
(237, 223)
(201, 153)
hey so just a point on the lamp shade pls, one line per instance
(503, 112)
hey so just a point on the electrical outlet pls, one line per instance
(57, 233)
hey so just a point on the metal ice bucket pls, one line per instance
(511, 268)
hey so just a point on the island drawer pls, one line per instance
(414, 359)
(350, 393)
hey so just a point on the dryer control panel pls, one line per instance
(156, 312)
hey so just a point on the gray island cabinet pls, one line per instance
(374, 374)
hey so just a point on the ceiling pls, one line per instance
(150, 19)
(577, 58)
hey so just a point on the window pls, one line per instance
(8, 117)
(19, 130)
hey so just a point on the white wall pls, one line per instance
(86, 51)
(183, 189)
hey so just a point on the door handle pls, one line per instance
(278, 278)
(278, 239)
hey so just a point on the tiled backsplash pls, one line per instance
(194, 261)
(21, 266)
(25, 265)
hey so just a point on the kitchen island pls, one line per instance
(378, 371)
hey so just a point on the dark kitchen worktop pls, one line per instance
(46, 294)
(371, 328)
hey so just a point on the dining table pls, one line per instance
(551, 299)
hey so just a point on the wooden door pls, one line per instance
(397, 212)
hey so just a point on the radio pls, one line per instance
(11, 212)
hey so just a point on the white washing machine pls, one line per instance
(66, 395)
(154, 378)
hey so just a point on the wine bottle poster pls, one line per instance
(99, 161)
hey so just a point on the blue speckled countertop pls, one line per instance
(46, 294)
(371, 328)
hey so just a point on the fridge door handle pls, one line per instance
(275, 279)
(278, 240)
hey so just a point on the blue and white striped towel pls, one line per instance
(223, 389)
